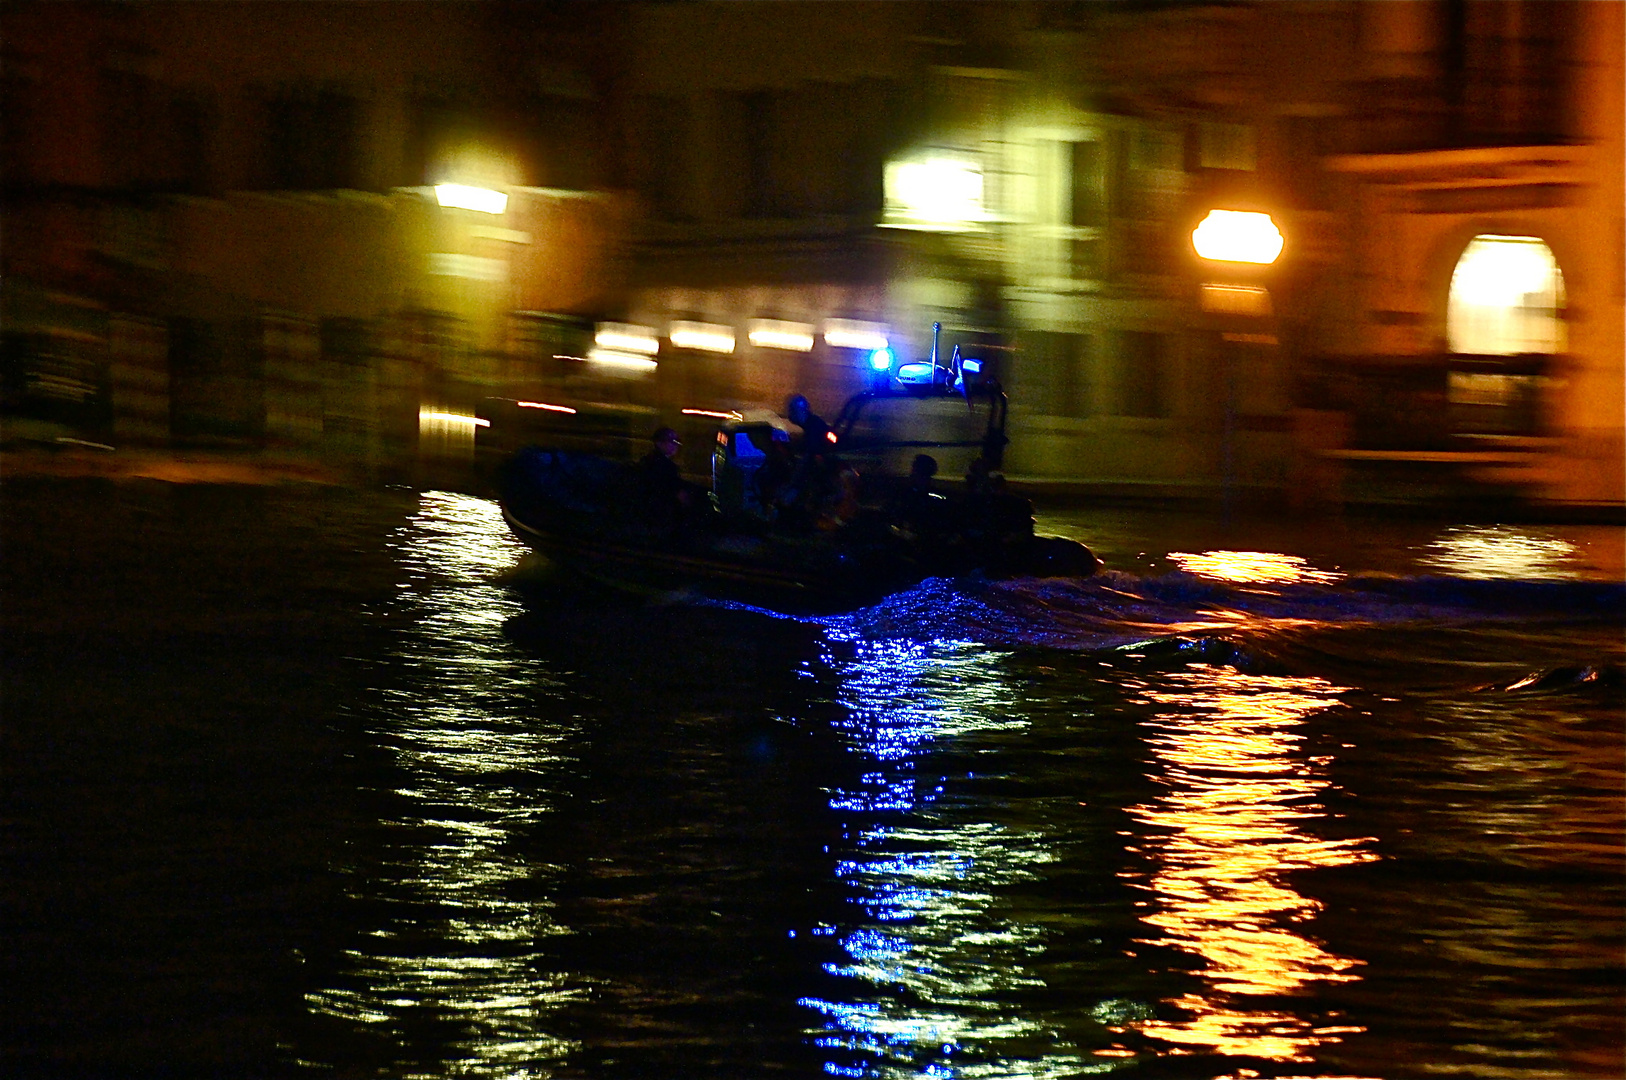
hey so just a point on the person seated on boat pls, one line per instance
(978, 485)
(668, 499)
(1010, 515)
(919, 510)
(775, 475)
(836, 494)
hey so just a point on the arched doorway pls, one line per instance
(1506, 295)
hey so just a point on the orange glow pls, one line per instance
(1230, 827)
(713, 413)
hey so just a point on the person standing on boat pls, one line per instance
(668, 498)
(814, 479)
(816, 434)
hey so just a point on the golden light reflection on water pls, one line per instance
(1240, 796)
(1501, 552)
(456, 948)
(1252, 567)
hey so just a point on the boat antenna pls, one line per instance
(958, 370)
(937, 328)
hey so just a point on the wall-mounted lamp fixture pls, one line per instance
(1242, 236)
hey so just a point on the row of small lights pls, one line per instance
(634, 346)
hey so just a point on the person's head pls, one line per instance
(923, 469)
(797, 410)
(666, 441)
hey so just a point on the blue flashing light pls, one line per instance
(880, 360)
(917, 373)
(971, 366)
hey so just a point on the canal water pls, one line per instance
(307, 781)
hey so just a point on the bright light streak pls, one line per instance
(452, 418)
(545, 405)
(627, 338)
(712, 413)
(1238, 236)
(617, 359)
(465, 197)
(778, 334)
(936, 195)
(707, 337)
(852, 334)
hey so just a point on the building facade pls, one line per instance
(712, 206)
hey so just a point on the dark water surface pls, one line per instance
(295, 783)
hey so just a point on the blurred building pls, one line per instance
(712, 205)
(222, 229)
(1444, 320)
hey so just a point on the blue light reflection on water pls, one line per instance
(928, 965)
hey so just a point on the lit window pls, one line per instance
(939, 194)
(627, 338)
(853, 334)
(706, 337)
(616, 358)
(778, 334)
(1505, 297)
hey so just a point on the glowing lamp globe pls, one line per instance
(1241, 236)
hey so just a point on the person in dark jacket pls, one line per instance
(667, 497)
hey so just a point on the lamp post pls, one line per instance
(1236, 249)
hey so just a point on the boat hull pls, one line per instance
(576, 511)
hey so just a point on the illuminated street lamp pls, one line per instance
(1241, 244)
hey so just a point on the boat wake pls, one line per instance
(1500, 635)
